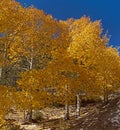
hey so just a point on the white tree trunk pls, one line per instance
(67, 104)
(66, 111)
(78, 105)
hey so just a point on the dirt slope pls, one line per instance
(107, 117)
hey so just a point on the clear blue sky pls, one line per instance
(108, 11)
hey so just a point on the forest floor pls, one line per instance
(93, 117)
(106, 117)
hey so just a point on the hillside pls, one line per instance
(107, 117)
(93, 117)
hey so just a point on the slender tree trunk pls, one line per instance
(24, 114)
(67, 104)
(107, 100)
(67, 111)
(0, 72)
(105, 95)
(78, 105)
(30, 61)
(30, 119)
(29, 116)
(31, 64)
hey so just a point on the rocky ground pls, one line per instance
(106, 117)
(93, 117)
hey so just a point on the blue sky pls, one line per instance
(108, 11)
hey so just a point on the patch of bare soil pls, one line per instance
(105, 117)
